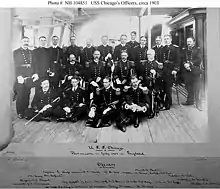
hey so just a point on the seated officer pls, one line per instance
(44, 102)
(74, 105)
(72, 68)
(105, 106)
(136, 102)
(122, 71)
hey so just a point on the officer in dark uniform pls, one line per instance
(141, 53)
(158, 48)
(44, 102)
(106, 54)
(121, 47)
(73, 49)
(23, 71)
(74, 106)
(41, 61)
(151, 76)
(148, 69)
(56, 61)
(96, 72)
(192, 63)
(122, 71)
(171, 63)
(87, 53)
(133, 44)
(136, 102)
(72, 68)
(105, 106)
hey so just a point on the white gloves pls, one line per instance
(45, 108)
(174, 72)
(106, 110)
(153, 72)
(70, 77)
(98, 79)
(35, 77)
(67, 109)
(108, 56)
(92, 113)
(118, 81)
(20, 79)
(94, 84)
(187, 66)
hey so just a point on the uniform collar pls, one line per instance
(55, 46)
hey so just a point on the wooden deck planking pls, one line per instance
(180, 124)
(146, 131)
(119, 137)
(189, 126)
(105, 135)
(178, 127)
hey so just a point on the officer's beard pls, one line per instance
(45, 89)
(72, 61)
(151, 58)
(25, 46)
(124, 59)
(96, 59)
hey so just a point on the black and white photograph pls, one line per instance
(109, 75)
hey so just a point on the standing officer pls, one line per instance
(192, 64)
(87, 53)
(121, 47)
(106, 54)
(23, 71)
(133, 44)
(56, 61)
(171, 63)
(41, 61)
(158, 48)
(141, 53)
(73, 49)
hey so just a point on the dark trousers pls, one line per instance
(22, 92)
(77, 112)
(30, 113)
(111, 115)
(134, 115)
(168, 82)
(193, 89)
(54, 81)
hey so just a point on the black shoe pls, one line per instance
(20, 116)
(108, 124)
(61, 119)
(89, 122)
(46, 119)
(123, 129)
(74, 119)
(136, 124)
(151, 116)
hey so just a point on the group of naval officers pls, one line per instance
(121, 85)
